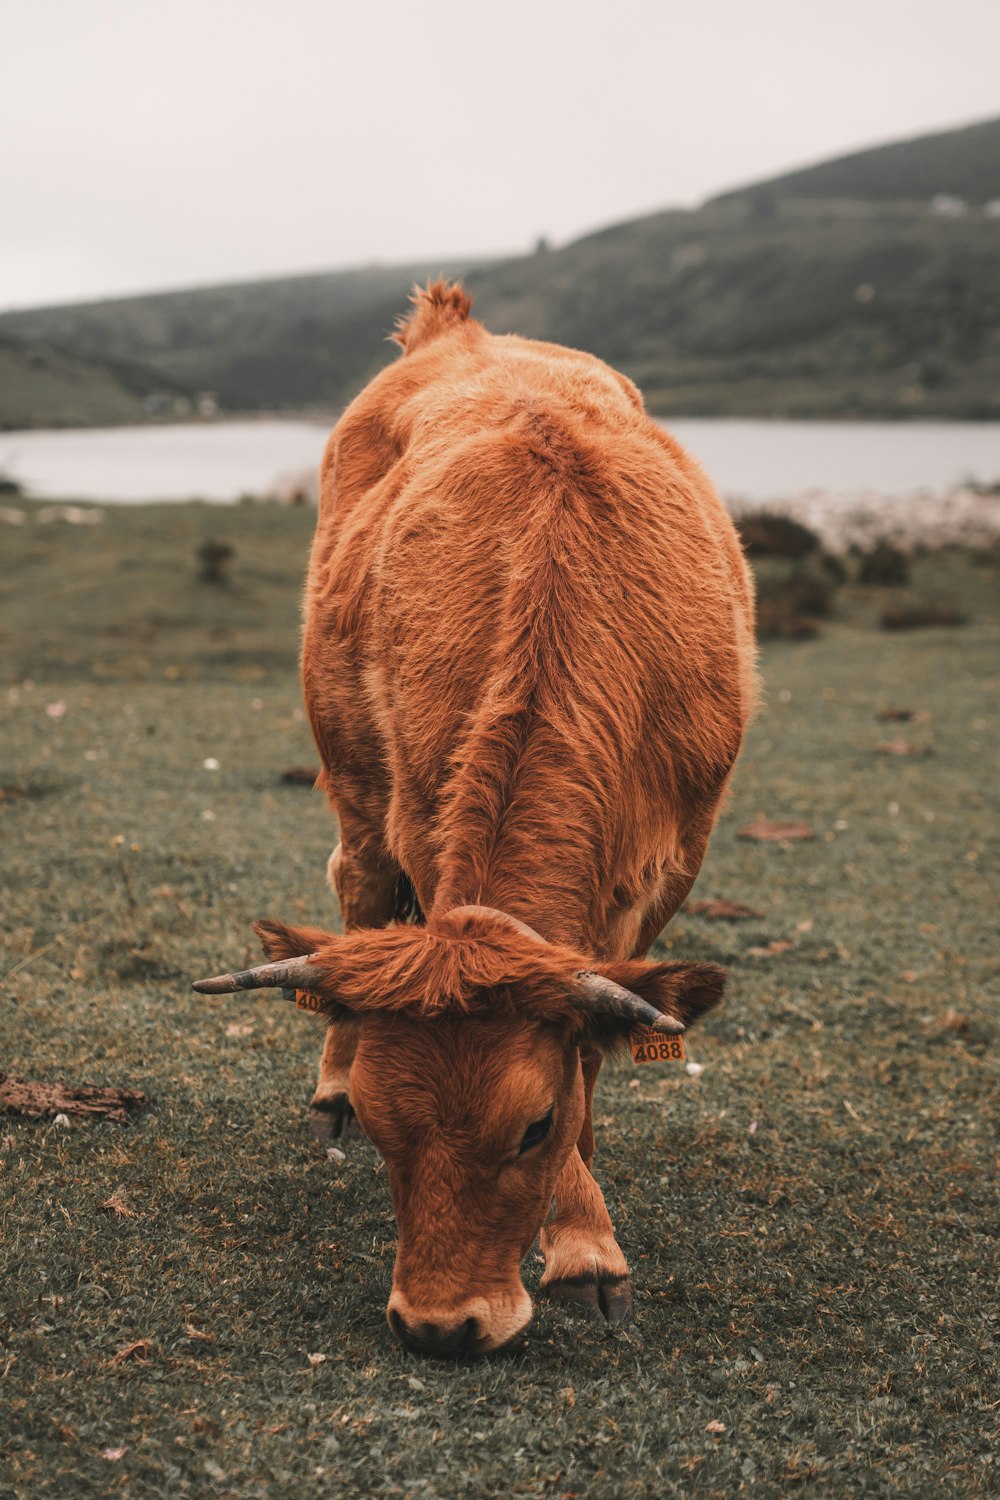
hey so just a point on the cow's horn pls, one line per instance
(610, 999)
(600, 994)
(287, 973)
(494, 911)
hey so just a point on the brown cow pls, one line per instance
(528, 663)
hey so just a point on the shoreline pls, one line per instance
(844, 521)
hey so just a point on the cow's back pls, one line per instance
(528, 657)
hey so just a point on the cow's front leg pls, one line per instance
(365, 887)
(331, 1114)
(583, 1263)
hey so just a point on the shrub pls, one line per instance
(913, 616)
(766, 534)
(885, 565)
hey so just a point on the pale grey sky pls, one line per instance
(157, 145)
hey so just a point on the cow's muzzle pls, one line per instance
(476, 1328)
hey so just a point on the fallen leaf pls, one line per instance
(721, 911)
(196, 1333)
(138, 1349)
(113, 1454)
(119, 1205)
(780, 945)
(240, 1028)
(716, 1427)
(765, 831)
(317, 1359)
(901, 747)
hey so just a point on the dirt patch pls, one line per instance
(36, 1101)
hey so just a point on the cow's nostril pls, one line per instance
(448, 1343)
(437, 1339)
(470, 1336)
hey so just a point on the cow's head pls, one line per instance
(467, 1079)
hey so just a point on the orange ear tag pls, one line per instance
(655, 1046)
(302, 1000)
(307, 1002)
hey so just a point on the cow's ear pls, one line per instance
(684, 991)
(281, 941)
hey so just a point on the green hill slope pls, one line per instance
(805, 312)
(45, 387)
(284, 343)
(964, 163)
(830, 291)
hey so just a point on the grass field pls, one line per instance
(811, 1221)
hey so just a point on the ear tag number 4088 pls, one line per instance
(653, 1046)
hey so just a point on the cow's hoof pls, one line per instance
(600, 1294)
(333, 1120)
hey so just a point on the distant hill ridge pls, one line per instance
(964, 163)
(832, 290)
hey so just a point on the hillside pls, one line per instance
(45, 387)
(827, 292)
(804, 311)
(963, 163)
(283, 343)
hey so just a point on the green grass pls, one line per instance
(811, 1222)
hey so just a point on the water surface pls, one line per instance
(760, 460)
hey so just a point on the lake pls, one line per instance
(758, 460)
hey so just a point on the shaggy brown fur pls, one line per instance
(528, 663)
(473, 964)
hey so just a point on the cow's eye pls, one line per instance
(535, 1132)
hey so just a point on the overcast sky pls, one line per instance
(189, 141)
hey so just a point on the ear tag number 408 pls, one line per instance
(303, 1001)
(653, 1046)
